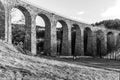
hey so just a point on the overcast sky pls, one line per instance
(89, 11)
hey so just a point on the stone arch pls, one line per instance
(100, 43)
(47, 34)
(75, 40)
(87, 41)
(2, 21)
(64, 41)
(26, 14)
(110, 42)
(18, 26)
(27, 27)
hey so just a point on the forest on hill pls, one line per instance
(110, 24)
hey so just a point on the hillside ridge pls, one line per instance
(17, 66)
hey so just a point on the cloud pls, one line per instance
(80, 13)
(78, 16)
(112, 12)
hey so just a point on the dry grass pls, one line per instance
(14, 65)
(113, 55)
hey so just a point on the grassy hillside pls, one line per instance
(16, 66)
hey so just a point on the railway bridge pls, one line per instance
(88, 40)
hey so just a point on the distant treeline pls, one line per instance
(110, 24)
(18, 31)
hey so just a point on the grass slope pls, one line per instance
(16, 66)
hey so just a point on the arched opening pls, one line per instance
(59, 29)
(118, 42)
(110, 42)
(100, 42)
(43, 35)
(62, 38)
(2, 21)
(75, 37)
(40, 34)
(21, 28)
(87, 42)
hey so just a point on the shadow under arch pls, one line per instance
(75, 40)
(64, 39)
(88, 41)
(100, 43)
(110, 42)
(47, 34)
(27, 27)
(59, 35)
(2, 21)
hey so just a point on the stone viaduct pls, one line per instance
(89, 40)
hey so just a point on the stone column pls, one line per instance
(94, 44)
(66, 42)
(50, 46)
(82, 42)
(115, 38)
(53, 37)
(89, 43)
(47, 39)
(78, 42)
(118, 41)
(8, 27)
(28, 25)
(104, 44)
(6, 23)
(33, 35)
(2, 20)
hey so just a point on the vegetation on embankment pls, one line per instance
(16, 66)
(110, 24)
